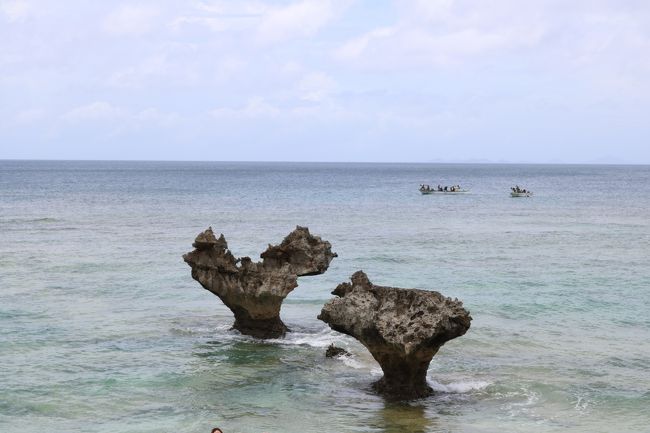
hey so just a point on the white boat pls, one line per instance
(521, 194)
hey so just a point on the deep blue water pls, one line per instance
(104, 330)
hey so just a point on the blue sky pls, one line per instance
(326, 80)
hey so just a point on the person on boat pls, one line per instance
(445, 188)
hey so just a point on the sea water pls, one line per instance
(102, 328)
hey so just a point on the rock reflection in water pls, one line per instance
(404, 418)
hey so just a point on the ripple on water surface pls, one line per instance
(104, 330)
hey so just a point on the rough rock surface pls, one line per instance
(254, 291)
(334, 351)
(402, 328)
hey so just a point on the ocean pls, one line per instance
(104, 330)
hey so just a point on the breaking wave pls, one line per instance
(461, 387)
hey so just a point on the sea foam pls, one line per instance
(461, 387)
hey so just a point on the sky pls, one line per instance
(326, 80)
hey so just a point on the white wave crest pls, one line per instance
(461, 387)
(351, 361)
(320, 339)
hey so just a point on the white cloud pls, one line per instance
(29, 116)
(99, 110)
(120, 118)
(222, 16)
(101, 116)
(488, 62)
(131, 20)
(441, 33)
(228, 67)
(213, 24)
(266, 22)
(168, 65)
(354, 48)
(134, 76)
(15, 10)
(238, 9)
(297, 20)
(291, 68)
(255, 107)
(155, 117)
(580, 38)
(432, 10)
(316, 87)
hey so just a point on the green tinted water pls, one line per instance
(104, 330)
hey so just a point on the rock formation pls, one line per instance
(334, 351)
(402, 328)
(254, 291)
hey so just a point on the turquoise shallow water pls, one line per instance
(103, 329)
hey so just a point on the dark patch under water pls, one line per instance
(104, 330)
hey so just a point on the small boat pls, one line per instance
(515, 191)
(427, 190)
(432, 191)
(520, 193)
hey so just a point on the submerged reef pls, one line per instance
(254, 291)
(402, 328)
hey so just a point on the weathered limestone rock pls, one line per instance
(254, 291)
(402, 328)
(334, 351)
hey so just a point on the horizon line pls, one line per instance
(469, 162)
